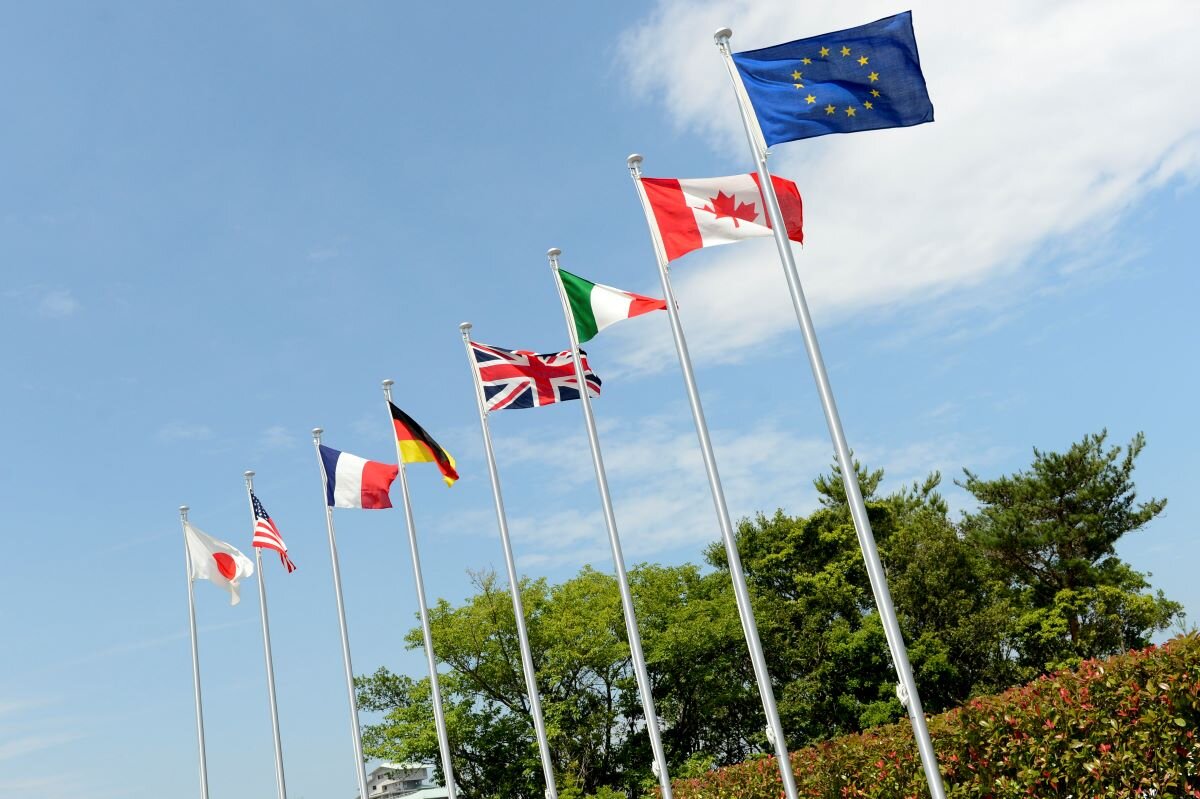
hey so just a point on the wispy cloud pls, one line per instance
(277, 437)
(184, 431)
(970, 204)
(58, 304)
(28, 744)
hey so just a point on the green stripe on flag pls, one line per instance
(579, 294)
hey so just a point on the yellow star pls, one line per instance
(810, 99)
(874, 92)
(874, 76)
(805, 61)
(798, 85)
(829, 109)
(845, 51)
(824, 52)
(796, 75)
(862, 60)
(849, 110)
(867, 105)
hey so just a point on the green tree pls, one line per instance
(1050, 534)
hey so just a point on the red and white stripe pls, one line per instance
(266, 536)
(704, 212)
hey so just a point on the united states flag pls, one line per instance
(521, 379)
(266, 534)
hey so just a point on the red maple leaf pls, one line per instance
(723, 206)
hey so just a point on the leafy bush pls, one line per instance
(1123, 727)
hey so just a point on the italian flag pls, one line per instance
(596, 306)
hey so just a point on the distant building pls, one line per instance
(407, 780)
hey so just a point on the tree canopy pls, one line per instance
(1028, 581)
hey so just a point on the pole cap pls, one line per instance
(183, 509)
(465, 326)
(248, 473)
(634, 160)
(317, 431)
(388, 383)
(722, 35)
(553, 252)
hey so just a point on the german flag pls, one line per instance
(414, 445)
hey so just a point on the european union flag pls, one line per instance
(861, 78)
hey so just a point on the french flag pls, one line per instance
(354, 482)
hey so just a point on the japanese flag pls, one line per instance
(217, 561)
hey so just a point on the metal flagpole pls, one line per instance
(610, 522)
(266, 630)
(183, 514)
(360, 771)
(535, 701)
(740, 591)
(907, 689)
(439, 716)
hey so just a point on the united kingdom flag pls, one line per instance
(521, 379)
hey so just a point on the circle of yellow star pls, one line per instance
(849, 110)
(796, 75)
(806, 61)
(845, 50)
(810, 99)
(829, 109)
(874, 76)
(867, 105)
(824, 51)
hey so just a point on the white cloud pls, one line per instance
(277, 437)
(57, 304)
(1052, 121)
(184, 431)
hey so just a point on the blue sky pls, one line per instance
(223, 224)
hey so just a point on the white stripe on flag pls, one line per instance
(726, 209)
(609, 305)
(347, 481)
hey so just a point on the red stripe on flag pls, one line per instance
(789, 205)
(641, 305)
(675, 220)
(376, 480)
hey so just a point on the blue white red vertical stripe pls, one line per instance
(266, 534)
(354, 482)
(523, 379)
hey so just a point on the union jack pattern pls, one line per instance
(522, 379)
(266, 534)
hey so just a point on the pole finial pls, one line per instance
(465, 326)
(634, 160)
(249, 473)
(183, 511)
(317, 431)
(388, 383)
(553, 253)
(722, 36)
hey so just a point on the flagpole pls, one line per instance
(360, 771)
(741, 592)
(439, 715)
(266, 631)
(183, 514)
(614, 540)
(535, 702)
(907, 690)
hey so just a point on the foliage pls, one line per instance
(1123, 727)
(1050, 535)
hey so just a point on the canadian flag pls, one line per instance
(704, 212)
(217, 561)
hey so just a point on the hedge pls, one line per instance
(1123, 727)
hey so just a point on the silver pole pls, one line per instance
(266, 630)
(439, 716)
(183, 514)
(740, 592)
(360, 770)
(614, 541)
(535, 701)
(858, 510)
